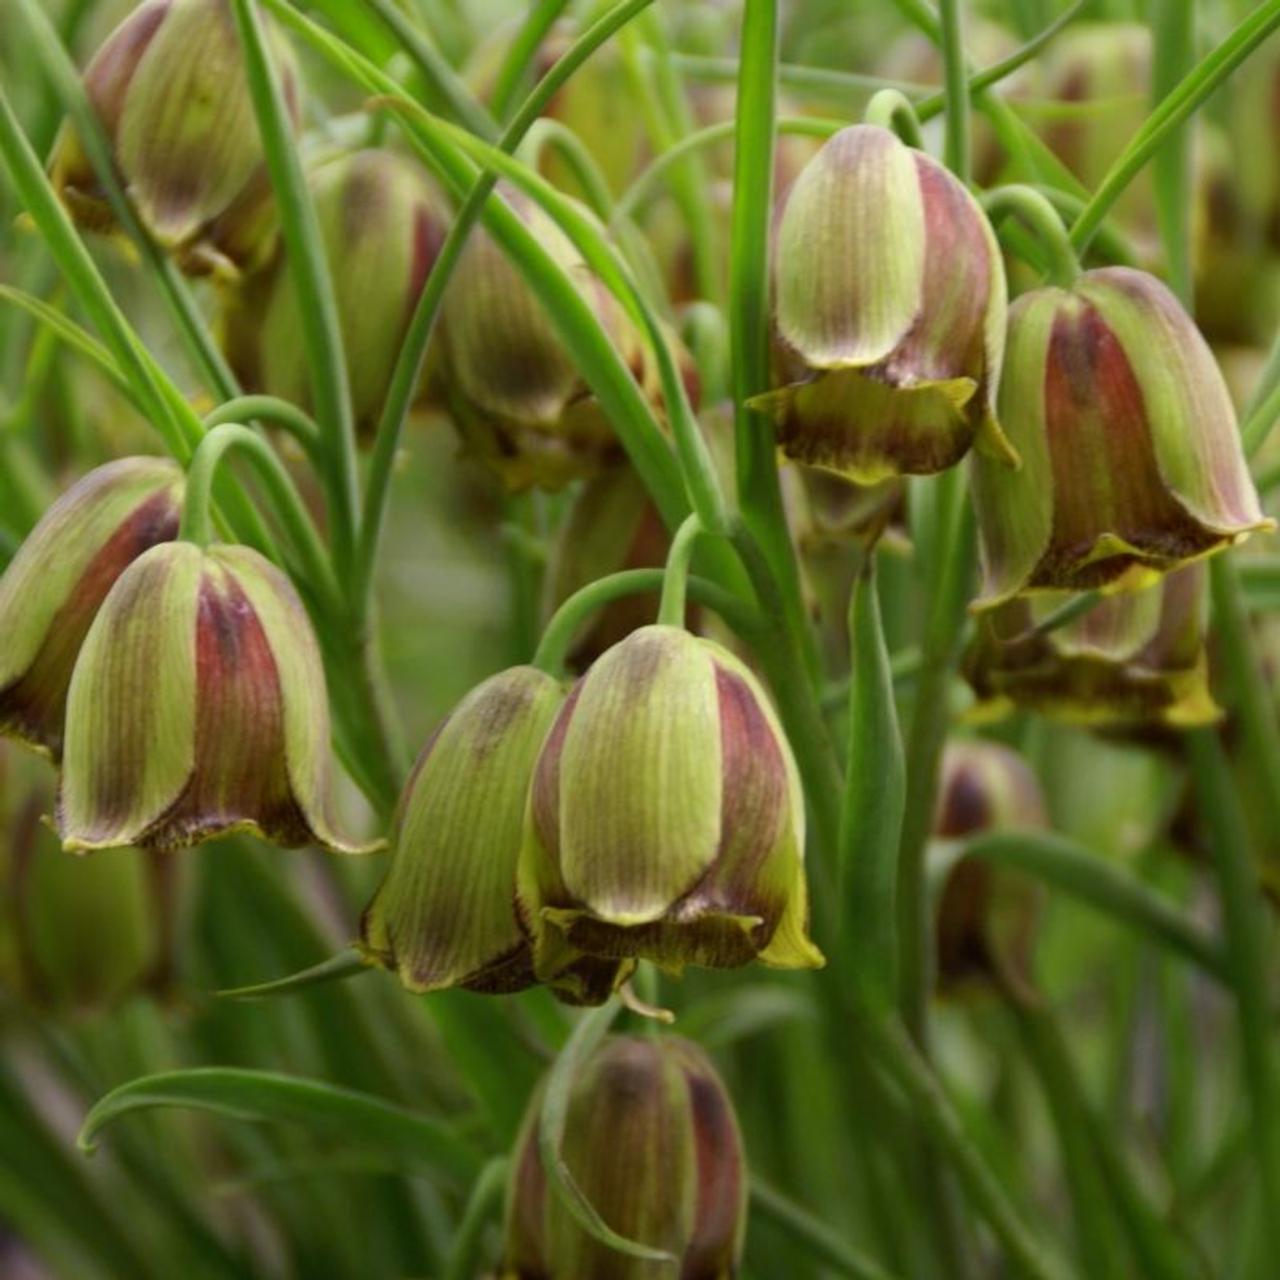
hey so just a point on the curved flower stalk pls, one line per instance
(56, 583)
(382, 222)
(445, 915)
(1136, 659)
(890, 308)
(652, 1142)
(1132, 462)
(665, 818)
(198, 708)
(170, 90)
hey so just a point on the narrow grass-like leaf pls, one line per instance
(358, 1119)
(345, 964)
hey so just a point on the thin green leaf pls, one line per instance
(358, 1119)
(486, 1195)
(345, 964)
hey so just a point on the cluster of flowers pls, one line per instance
(559, 834)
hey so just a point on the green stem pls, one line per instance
(958, 147)
(888, 1041)
(562, 630)
(675, 579)
(197, 526)
(892, 109)
(1173, 24)
(548, 132)
(538, 22)
(812, 1234)
(309, 274)
(1176, 107)
(445, 84)
(280, 413)
(1065, 613)
(1259, 422)
(759, 493)
(408, 368)
(950, 561)
(874, 796)
(1033, 209)
(1245, 924)
(486, 1196)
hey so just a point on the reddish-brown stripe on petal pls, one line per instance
(107, 78)
(1105, 476)
(36, 704)
(713, 1245)
(240, 773)
(545, 794)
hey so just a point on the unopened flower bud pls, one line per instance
(170, 89)
(666, 819)
(986, 916)
(53, 587)
(1133, 660)
(890, 305)
(516, 396)
(445, 914)
(73, 935)
(1131, 456)
(198, 708)
(382, 222)
(652, 1142)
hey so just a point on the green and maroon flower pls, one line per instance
(890, 310)
(1133, 660)
(198, 708)
(170, 90)
(445, 915)
(517, 398)
(666, 820)
(652, 1141)
(986, 915)
(382, 222)
(60, 576)
(1131, 455)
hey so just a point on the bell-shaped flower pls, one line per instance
(198, 708)
(890, 311)
(60, 576)
(666, 819)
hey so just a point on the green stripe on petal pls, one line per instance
(445, 914)
(640, 778)
(851, 251)
(1016, 507)
(131, 712)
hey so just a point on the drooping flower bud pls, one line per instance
(170, 90)
(890, 306)
(986, 916)
(60, 576)
(445, 914)
(382, 222)
(197, 708)
(73, 936)
(1131, 456)
(1135, 660)
(517, 398)
(652, 1141)
(666, 819)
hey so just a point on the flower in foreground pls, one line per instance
(652, 1141)
(666, 820)
(890, 308)
(1131, 455)
(55, 584)
(198, 708)
(171, 93)
(445, 914)
(1133, 660)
